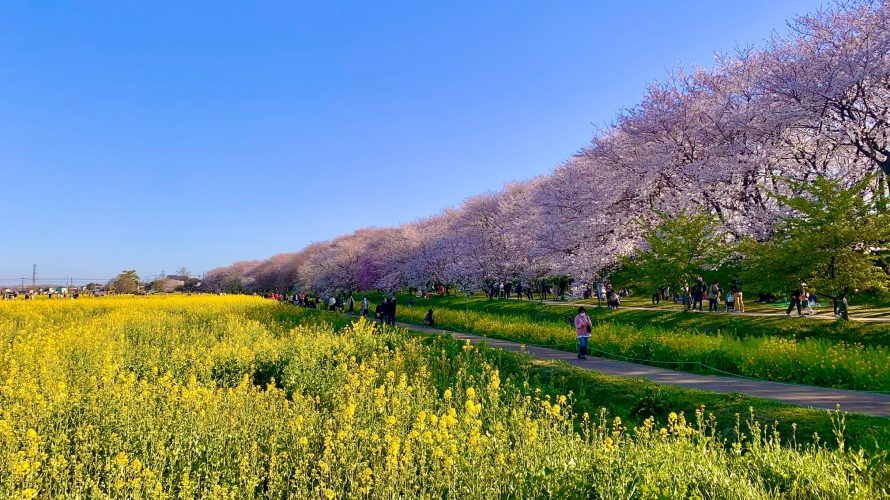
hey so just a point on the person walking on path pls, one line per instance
(795, 299)
(350, 305)
(714, 296)
(389, 311)
(365, 306)
(793, 302)
(687, 296)
(805, 302)
(583, 326)
(737, 293)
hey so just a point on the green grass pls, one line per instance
(820, 361)
(861, 307)
(634, 400)
(866, 333)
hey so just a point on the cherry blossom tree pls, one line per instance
(728, 141)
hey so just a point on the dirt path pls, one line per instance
(874, 404)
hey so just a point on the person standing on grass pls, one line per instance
(583, 327)
(714, 296)
(350, 305)
(736, 289)
(365, 306)
(698, 290)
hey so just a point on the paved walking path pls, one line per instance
(879, 319)
(874, 404)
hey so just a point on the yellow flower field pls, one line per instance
(239, 397)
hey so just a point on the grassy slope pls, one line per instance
(636, 399)
(763, 355)
(869, 334)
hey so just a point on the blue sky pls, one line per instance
(154, 135)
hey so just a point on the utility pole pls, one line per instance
(34, 277)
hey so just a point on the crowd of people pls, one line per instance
(9, 294)
(694, 296)
(505, 290)
(384, 312)
(691, 297)
(602, 290)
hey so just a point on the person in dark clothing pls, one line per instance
(388, 310)
(378, 311)
(840, 304)
(714, 292)
(428, 320)
(793, 302)
(698, 291)
(392, 311)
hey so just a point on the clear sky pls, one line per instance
(153, 135)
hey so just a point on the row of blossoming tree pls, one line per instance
(736, 142)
